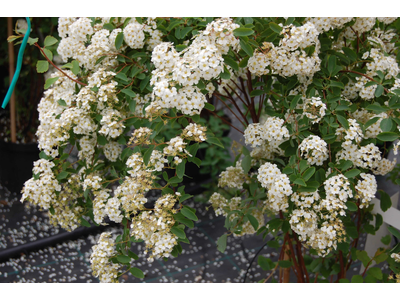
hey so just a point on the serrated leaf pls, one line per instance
(363, 257)
(48, 54)
(49, 82)
(265, 263)
(42, 66)
(221, 243)
(49, 41)
(375, 272)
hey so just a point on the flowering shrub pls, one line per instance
(318, 103)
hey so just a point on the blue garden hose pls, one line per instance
(19, 64)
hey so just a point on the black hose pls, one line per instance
(258, 252)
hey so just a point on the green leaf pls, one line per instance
(351, 206)
(344, 280)
(129, 92)
(243, 62)
(189, 214)
(209, 106)
(380, 258)
(300, 181)
(62, 175)
(255, 93)
(123, 259)
(122, 76)
(357, 279)
(178, 232)
(42, 66)
(132, 106)
(147, 155)
(285, 263)
(246, 48)
(231, 62)
(375, 272)
(243, 31)
(265, 263)
(101, 140)
(109, 26)
(136, 272)
(132, 255)
(215, 141)
(180, 47)
(294, 102)
(363, 257)
(246, 164)
(49, 82)
(221, 243)
(48, 53)
(180, 169)
(75, 67)
(343, 121)
(394, 231)
(376, 107)
(118, 40)
(185, 31)
(174, 179)
(385, 201)
(387, 136)
(350, 54)
(386, 124)
(352, 173)
(275, 27)
(379, 91)
(84, 222)
(386, 239)
(182, 219)
(308, 173)
(49, 41)
(331, 64)
(253, 221)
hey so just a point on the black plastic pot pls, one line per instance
(16, 163)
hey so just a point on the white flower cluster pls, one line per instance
(314, 149)
(366, 189)
(396, 257)
(154, 227)
(233, 177)
(337, 189)
(195, 132)
(102, 268)
(201, 60)
(327, 23)
(363, 116)
(314, 109)
(140, 136)
(278, 186)
(272, 131)
(354, 133)
(289, 58)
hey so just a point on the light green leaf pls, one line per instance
(49, 41)
(221, 243)
(42, 66)
(243, 31)
(136, 272)
(189, 214)
(119, 40)
(49, 82)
